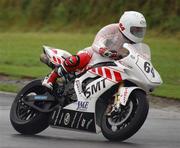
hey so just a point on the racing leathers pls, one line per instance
(107, 43)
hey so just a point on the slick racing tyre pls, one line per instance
(121, 125)
(24, 118)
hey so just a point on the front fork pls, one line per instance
(122, 96)
(116, 103)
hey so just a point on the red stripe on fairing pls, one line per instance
(54, 50)
(117, 76)
(93, 70)
(54, 59)
(100, 71)
(111, 74)
(108, 73)
(59, 60)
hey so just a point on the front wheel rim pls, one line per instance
(125, 116)
(116, 125)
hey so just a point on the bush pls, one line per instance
(37, 14)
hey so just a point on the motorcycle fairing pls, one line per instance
(148, 70)
(83, 110)
(107, 72)
(104, 78)
(69, 119)
(89, 93)
(56, 56)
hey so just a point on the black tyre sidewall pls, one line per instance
(34, 126)
(134, 125)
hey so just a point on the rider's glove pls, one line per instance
(107, 53)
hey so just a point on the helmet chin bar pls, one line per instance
(131, 42)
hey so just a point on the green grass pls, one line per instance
(165, 57)
(19, 56)
(19, 53)
(9, 87)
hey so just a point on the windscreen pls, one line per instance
(143, 49)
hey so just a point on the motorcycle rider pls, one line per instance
(107, 43)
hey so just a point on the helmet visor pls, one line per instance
(138, 31)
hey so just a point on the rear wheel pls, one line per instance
(24, 118)
(124, 123)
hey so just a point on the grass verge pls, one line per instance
(9, 88)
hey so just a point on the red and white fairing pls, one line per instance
(56, 56)
(136, 67)
(133, 68)
(108, 73)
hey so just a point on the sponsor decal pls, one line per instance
(79, 121)
(53, 116)
(83, 122)
(94, 88)
(121, 27)
(40, 97)
(122, 63)
(60, 120)
(72, 124)
(88, 123)
(143, 22)
(67, 118)
(59, 110)
(125, 94)
(82, 105)
(78, 86)
(71, 119)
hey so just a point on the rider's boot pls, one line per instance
(70, 64)
(52, 77)
(50, 80)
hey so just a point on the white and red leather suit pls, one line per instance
(108, 38)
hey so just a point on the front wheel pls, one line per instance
(125, 123)
(24, 118)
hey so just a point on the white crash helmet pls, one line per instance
(133, 25)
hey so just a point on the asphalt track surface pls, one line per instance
(161, 130)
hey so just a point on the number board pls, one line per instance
(147, 68)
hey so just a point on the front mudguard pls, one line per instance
(125, 92)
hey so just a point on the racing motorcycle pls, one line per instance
(108, 97)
